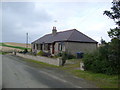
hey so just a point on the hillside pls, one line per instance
(18, 44)
(11, 46)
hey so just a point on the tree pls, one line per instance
(114, 45)
(115, 15)
(106, 59)
(102, 41)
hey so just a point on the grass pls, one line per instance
(100, 80)
(3, 53)
(17, 47)
(43, 64)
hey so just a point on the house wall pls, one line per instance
(35, 49)
(74, 47)
(70, 47)
(57, 46)
(32, 46)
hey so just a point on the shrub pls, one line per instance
(59, 54)
(66, 55)
(103, 60)
(25, 51)
(41, 53)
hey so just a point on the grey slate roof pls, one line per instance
(69, 35)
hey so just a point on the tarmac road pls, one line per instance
(16, 73)
(0, 72)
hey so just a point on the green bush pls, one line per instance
(41, 53)
(25, 51)
(104, 60)
(66, 56)
(59, 55)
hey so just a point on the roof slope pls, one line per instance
(69, 35)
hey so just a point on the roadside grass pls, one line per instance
(0, 52)
(17, 47)
(41, 63)
(3, 53)
(100, 80)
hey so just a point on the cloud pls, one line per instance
(37, 18)
(17, 17)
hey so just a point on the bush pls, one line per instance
(104, 60)
(59, 54)
(66, 55)
(41, 53)
(25, 51)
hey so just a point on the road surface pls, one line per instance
(17, 73)
(0, 72)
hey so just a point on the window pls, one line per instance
(41, 46)
(37, 46)
(60, 46)
(46, 47)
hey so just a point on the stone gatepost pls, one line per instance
(82, 66)
(60, 61)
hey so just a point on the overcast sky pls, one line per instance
(37, 18)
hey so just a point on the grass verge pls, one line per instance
(17, 47)
(3, 53)
(43, 64)
(100, 80)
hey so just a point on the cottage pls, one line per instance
(70, 41)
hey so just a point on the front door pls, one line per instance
(53, 48)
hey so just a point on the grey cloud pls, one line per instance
(20, 15)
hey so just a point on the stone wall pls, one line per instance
(51, 61)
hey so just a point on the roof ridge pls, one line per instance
(73, 30)
(61, 31)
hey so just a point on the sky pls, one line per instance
(38, 18)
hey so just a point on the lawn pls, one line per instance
(100, 80)
(17, 47)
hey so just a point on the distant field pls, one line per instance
(18, 44)
(13, 46)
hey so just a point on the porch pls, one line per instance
(52, 48)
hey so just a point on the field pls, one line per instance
(17, 44)
(10, 46)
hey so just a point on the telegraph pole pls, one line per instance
(26, 40)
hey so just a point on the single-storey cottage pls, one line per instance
(70, 41)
